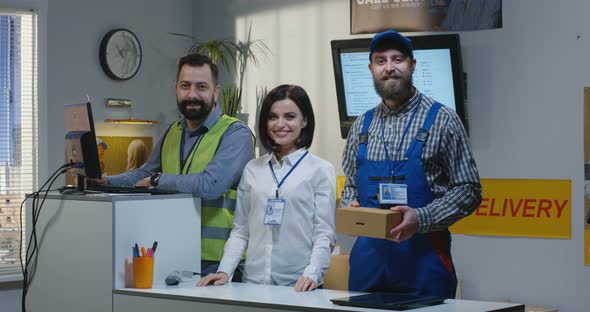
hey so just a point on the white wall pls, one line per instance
(10, 299)
(525, 87)
(298, 34)
(526, 100)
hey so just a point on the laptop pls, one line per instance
(389, 301)
(117, 189)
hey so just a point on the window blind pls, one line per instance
(18, 131)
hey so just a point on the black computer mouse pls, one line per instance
(172, 280)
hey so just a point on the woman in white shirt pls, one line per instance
(284, 218)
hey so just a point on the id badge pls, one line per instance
(275, 208)
(390, 193)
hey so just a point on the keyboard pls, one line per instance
(117, 189)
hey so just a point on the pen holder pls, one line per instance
(143, 272)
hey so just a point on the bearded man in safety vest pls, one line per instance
(203, 153)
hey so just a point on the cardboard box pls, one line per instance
(370, 222)
(337, 275)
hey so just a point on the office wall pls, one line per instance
(526, 101)
(70, 32)
(10, 298)
(298, 34)
(74, 32)
(525, 86)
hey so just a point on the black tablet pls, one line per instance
(390, 301)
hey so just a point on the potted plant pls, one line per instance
(261, 93)
(234, 56)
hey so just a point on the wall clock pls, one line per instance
(120, 54)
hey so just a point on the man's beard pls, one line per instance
(397, 93)
(198, 113)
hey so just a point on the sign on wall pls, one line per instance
(372, 16)
(521, 207)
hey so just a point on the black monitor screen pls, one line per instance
(438, 74)
(81, 139)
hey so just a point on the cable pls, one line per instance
(28, 271)
(30, 266)
(27, 266)
(31, 253)
(36, 207)
(37, 211)
(21, 209)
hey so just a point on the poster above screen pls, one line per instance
(373, 16)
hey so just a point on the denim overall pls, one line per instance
(421, 265)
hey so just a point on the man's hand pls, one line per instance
(94, 181)
(354, 204)
(305, 283)
(215, 279)
(409, 225)
(144, 182)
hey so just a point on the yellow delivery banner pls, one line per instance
(529, 208)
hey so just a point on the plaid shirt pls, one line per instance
(446, 157)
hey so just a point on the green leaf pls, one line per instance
(231, 96)
(221, 52)
(234, 57)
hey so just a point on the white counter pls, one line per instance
(249, 298)
(85, 250)
(85, 245)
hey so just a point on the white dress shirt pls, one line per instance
(303, 243)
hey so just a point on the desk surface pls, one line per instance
(285, 298)
(105, 197)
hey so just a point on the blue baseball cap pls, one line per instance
(391, 36)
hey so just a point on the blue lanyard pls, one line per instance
(389, 159)
(288, 173)
(182, 160)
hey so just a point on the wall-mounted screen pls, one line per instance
(438, 74)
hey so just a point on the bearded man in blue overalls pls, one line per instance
(416, 148)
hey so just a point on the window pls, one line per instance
(18, 130)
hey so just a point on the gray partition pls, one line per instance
(85, 241)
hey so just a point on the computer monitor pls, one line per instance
(81, 140)
(438, 74)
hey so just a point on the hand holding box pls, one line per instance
(369, 222)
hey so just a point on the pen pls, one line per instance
(154, 246)
(150, 252)
(143, 253)
(135, 255)
(137, 250)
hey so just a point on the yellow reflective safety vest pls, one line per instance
(216, 215)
